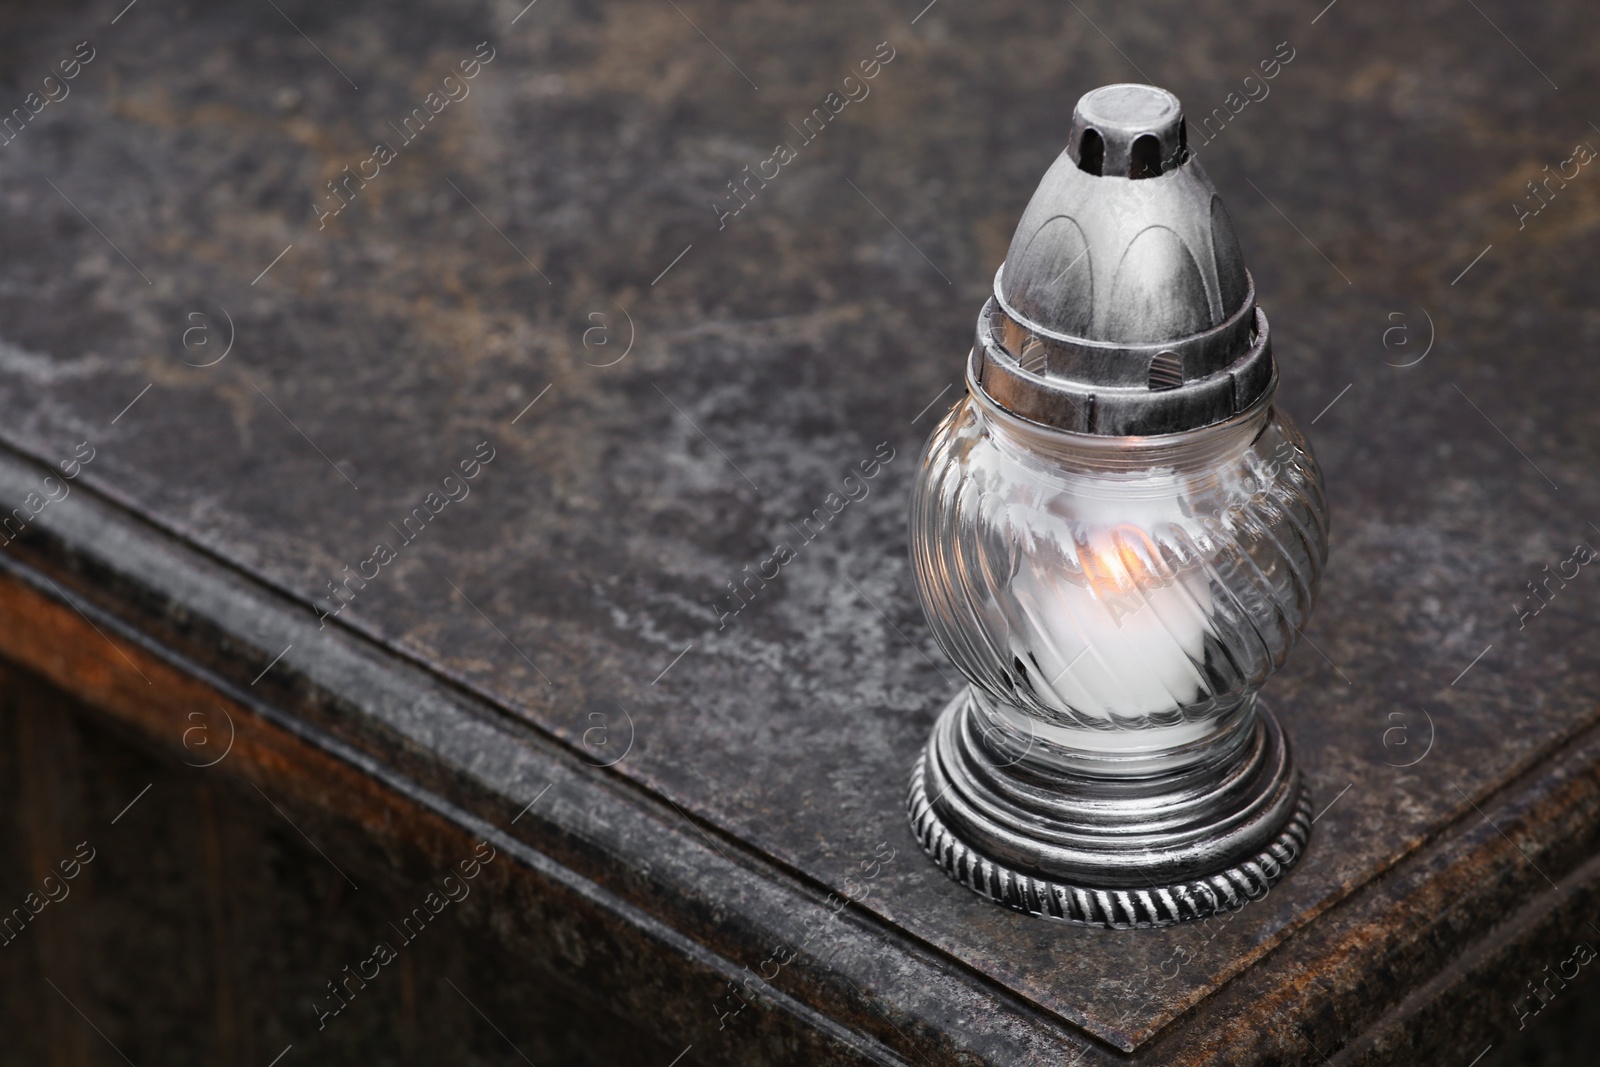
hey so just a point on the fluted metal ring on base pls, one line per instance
(1270, 816)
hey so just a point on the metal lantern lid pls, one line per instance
(1123, 307)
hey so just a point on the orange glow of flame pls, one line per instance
(1115, 566)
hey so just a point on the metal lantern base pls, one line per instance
(1111, 852)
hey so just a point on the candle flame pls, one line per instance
(1115, 565)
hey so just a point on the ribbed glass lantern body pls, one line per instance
(1116, 602)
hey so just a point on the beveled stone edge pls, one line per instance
(1111, 908)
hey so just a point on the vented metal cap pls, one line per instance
(1123, 307)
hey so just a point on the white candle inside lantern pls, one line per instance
(1118, 625)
